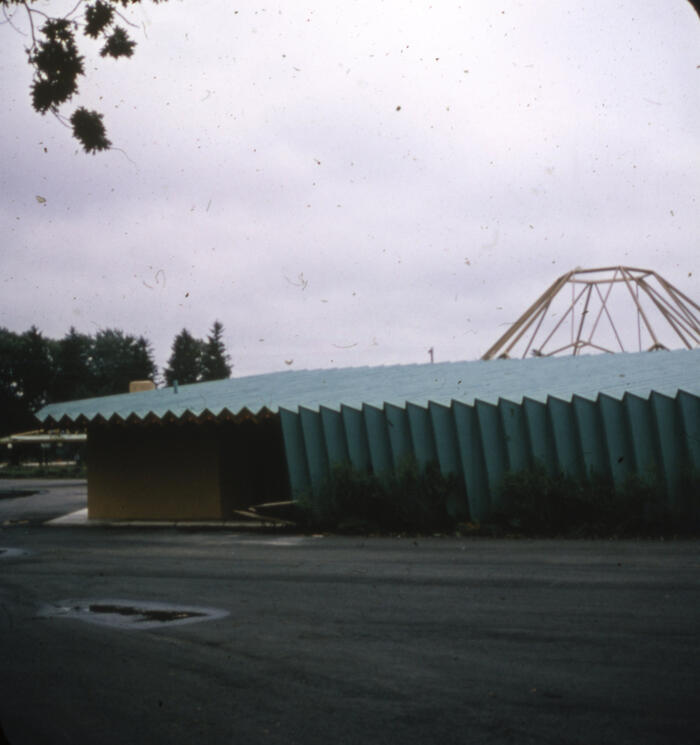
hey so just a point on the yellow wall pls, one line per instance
(156, 472)
(194, 471)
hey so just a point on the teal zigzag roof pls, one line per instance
(536, 378)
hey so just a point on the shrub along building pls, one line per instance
(201, 451)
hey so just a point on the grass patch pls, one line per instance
(410, 500)
(71, 471)
(534, 502)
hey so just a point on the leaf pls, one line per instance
(89, 129)
(97, 18)
(57, 64)
(118, 44)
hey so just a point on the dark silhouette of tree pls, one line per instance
(215, 360)
(185, 363)
(120, 358)
(58, 63)
(74, 373)
(26, 377)
(15, 415)
(34, 368)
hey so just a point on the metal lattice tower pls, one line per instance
(613, 309)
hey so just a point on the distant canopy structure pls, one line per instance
(613, 309)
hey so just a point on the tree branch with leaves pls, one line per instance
(57, 62)
(54, 54)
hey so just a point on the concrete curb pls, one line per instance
(79, 518)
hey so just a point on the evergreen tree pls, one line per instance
(185, 363)
(215, 360)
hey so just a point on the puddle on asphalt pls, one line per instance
(147, 615)
(131, 614)
(15, 493)
(11, 553)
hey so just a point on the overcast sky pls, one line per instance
(352, 183)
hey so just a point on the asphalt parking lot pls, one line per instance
(169, 635)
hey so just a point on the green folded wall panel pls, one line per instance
(378, 440)
(315, 446)
(334, 436)
(446, 445)
(657, 439)
(399, 433)
(668, 427)
(539, 435)
(515, 435)
(295, 451)
(617, 438)
(471, 454)
(566, 439)
(590, 436)
(447, 450)
(643, 437)
(421, 435)
(356, 437)
(493, 447)
(689, 409)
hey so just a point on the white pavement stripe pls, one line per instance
(79, 517)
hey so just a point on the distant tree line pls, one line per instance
(36, 370)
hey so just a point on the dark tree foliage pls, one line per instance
(35, 370)
(118, 359)
(98, 17)
(74, 358)
(58, 63)
(15, 416)
(89, 129)
(215, 360)
(193, 360)
(185, 363)
(118, 44)
(26, 377)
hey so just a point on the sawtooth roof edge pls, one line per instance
(637, 373)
